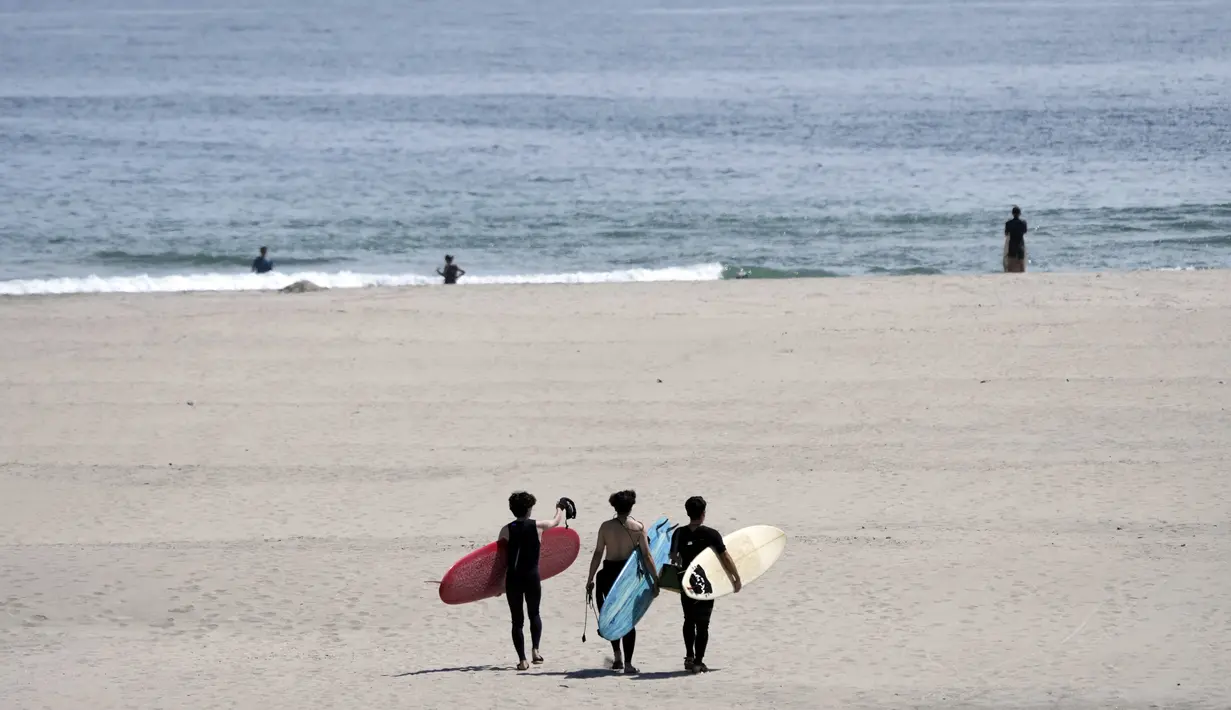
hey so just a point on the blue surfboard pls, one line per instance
(631, 593)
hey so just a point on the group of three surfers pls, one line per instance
(618, 538)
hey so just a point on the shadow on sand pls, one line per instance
(664, 675)
(459, 669)
(582, 674)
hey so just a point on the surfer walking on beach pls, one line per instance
(618, 538)
(687, 542)
(521, 581)
(1015, 243)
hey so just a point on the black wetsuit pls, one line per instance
(689, 543)
(1016, 229)
(602, 585)
(450, 273)
(522, 583)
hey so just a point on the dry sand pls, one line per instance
(1000, 491)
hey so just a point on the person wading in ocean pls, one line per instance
(1015, 243)
(451, 272)
(619, 537)
(262, 264)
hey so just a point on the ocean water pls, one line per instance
(154, 145)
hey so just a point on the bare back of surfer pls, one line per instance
(617, 539)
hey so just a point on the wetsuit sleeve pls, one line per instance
(715, 541)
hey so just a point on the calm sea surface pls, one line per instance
(155, 145)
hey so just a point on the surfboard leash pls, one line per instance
(586, 625)
(589, 606)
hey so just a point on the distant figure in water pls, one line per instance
(1015, 243)
(262, 264)
(451, 272)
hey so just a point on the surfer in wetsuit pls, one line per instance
(687, 542)
(451, 272)
(618, 538)
(1015, 243)
(521, 580)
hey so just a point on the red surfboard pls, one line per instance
(480, 574)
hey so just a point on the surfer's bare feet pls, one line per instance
(523, 665)
(687, 663)
(537, 658)
(618, 665)
(699, 667)
(631, 670)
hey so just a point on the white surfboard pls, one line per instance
(753, 550)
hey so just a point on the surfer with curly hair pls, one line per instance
(618, 538)
(687, 542)
(521, 581)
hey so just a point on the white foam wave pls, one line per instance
(340, 279)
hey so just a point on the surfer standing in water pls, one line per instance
(262, 264)
(451, 272)
(618, 538)
(521, 580)
(688, 542)
(1015, 243)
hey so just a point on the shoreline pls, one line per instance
(500, 282)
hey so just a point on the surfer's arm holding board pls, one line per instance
(724, 557)
(647, 561)
(729, 566)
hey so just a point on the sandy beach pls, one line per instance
(1000, 491)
